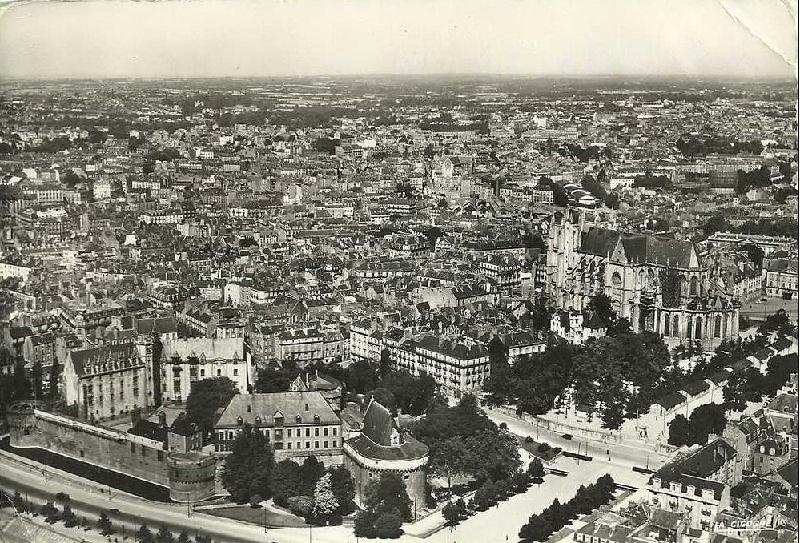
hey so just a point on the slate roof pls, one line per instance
(211, 348)
(695, 468)
(113, 352)
(653, 250)
(378, 423)
(288, 404)
(599, 241)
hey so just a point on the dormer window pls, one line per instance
(306, 407)
(249, 408)
(258, 421)
(298, 419)
(239, 421)
(278, 417)
(316, 419)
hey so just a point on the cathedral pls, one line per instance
(659, 284)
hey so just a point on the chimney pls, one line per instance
(162, 419)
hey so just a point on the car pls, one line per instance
(568, 437)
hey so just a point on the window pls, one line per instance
(316, 444)
(316, 432)
(333, 443)
(325, 432)
(289, 445)
(308, 444)
(325, 444)
(288, 432)
(133, 448)
(202, 373)
(236, 372)
(160, 456)
(308, 432)
(219, 373)
(334, 431)
(144, 452)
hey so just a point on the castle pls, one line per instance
(659, 284)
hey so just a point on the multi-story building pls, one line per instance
(504, 270)
(297, 424)
(310, 344)
(458, 365)
(780, 278)
(697, 485)
(576, 327)
(365, 340)
(110, 380)
(184, 361)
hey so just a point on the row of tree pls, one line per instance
(52, 514)
(556, 516)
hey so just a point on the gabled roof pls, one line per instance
(291, 404)
(599, 241)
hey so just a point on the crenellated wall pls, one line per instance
(112, 449)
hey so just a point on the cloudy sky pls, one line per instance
(107, 38)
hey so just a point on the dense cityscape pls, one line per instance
(417, 308)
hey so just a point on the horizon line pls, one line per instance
(444, 75)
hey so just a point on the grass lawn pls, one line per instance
(533, 448)
(245, 513)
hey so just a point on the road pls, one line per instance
(505, 520)
(489, 526)
(89, 501)
(621, 455)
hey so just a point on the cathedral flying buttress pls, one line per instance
(659, 284)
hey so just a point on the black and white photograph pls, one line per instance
(424, 271)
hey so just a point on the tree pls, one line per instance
(536, 471)
(387, 494)
(183, 537)
(144, 535)
(452, 458)
(276, 378)
(49, 512)
(255, 501)
(364, 524)
(495, 452)
(22, 385)
(36, 377)
(104, 524)
(285, 481)
(310, 472)
(451, 513)
(248, 468)
(388, 525)
(344, 489)
(679, 431)
(707, 419)
(68, 516)
(325, 502)
(164, 535)
(602, 307)
(206, 396)
(755, 254)
(384, 397)
(52, 382)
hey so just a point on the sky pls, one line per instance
(247, 38)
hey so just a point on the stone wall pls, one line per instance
(414, 480)
(108, 448)
(188, 476)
